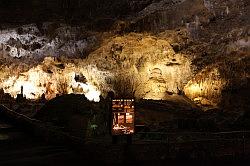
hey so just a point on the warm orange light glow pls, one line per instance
(205, 87)
(36, 82)
(123, 117)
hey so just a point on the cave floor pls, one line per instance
(20, 148)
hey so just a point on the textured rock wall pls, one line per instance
(151, 65)
(149, 49)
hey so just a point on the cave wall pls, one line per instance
(208, 42)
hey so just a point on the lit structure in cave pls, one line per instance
(123, 116)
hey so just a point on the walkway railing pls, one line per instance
(191, 136)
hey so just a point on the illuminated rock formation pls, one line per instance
(199, 48)
(151, 65)
(205, 88)
(47, 78)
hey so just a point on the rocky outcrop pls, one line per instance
(148, 65)
(151, 49)
(50, 39)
